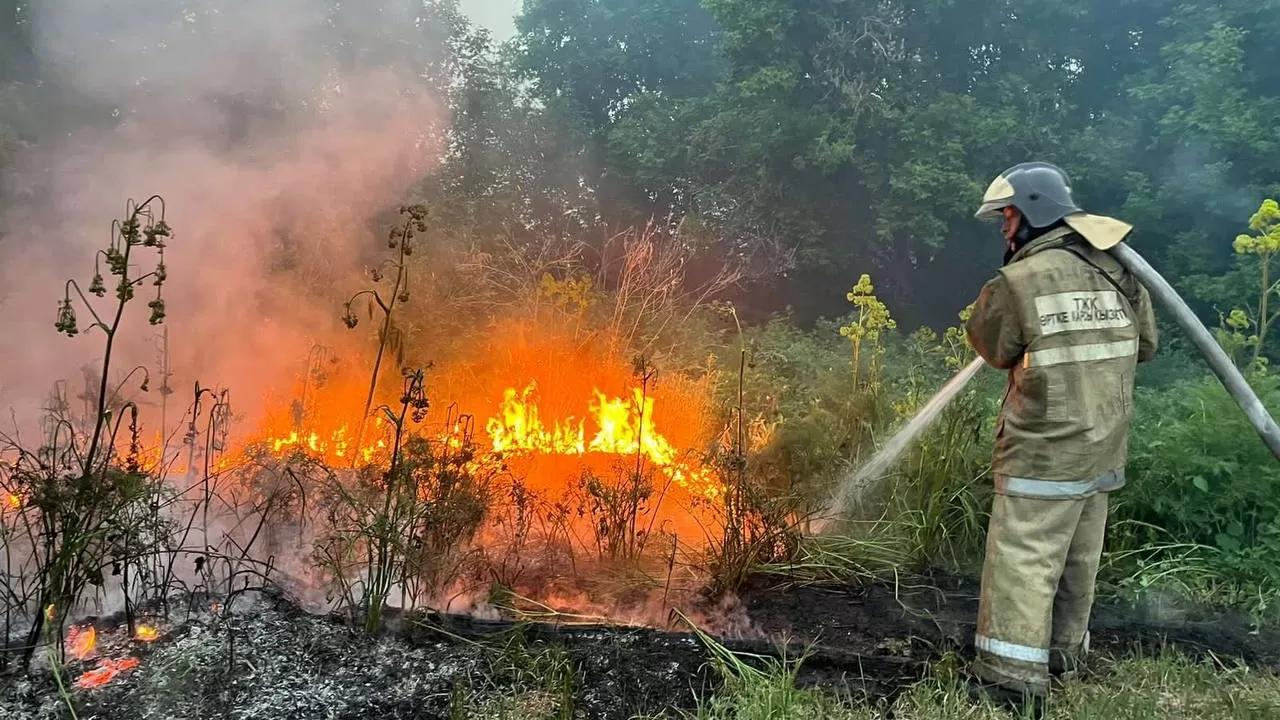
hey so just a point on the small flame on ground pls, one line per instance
(146, 633)
(81, 641)
(335, 447)
(13, 501)
(105, 672)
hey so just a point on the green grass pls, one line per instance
(539, 682)
(766, 689)
(1168, 687)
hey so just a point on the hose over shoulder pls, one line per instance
(1213, 353)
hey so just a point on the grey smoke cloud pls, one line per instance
(276, 131)
(110, 48)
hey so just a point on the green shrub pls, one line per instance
(1198, 474)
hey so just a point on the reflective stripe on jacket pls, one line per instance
(1070, 340)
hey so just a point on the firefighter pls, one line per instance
(1070, 325)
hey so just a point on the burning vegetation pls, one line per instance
(509, 450)
(545, 450)
(552, 468)
(523, 425)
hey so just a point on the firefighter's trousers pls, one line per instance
(1037, 587)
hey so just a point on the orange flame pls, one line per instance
(81, 641)
(622, 427)
(334, 446)
(105, 673)
(146, 633)
(618, 426)
(520, 428)
(570, 404)
(13, 501)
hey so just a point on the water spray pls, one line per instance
(854, 485)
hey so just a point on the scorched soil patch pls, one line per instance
(272, 660)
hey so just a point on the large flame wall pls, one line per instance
(550, 405)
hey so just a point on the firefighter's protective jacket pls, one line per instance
(1070, 324)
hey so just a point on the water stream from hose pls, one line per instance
(855, 484)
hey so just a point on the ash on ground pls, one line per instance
(275, 661)
(270, 659)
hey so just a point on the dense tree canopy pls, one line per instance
(861, 133)
(842, 135)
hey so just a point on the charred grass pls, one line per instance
(269, 659)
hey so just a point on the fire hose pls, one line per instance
(1213, 353)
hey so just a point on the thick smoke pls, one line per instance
(276, 133)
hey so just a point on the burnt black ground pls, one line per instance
(280, 663)
(920, 618)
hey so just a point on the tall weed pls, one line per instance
(77, 504)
